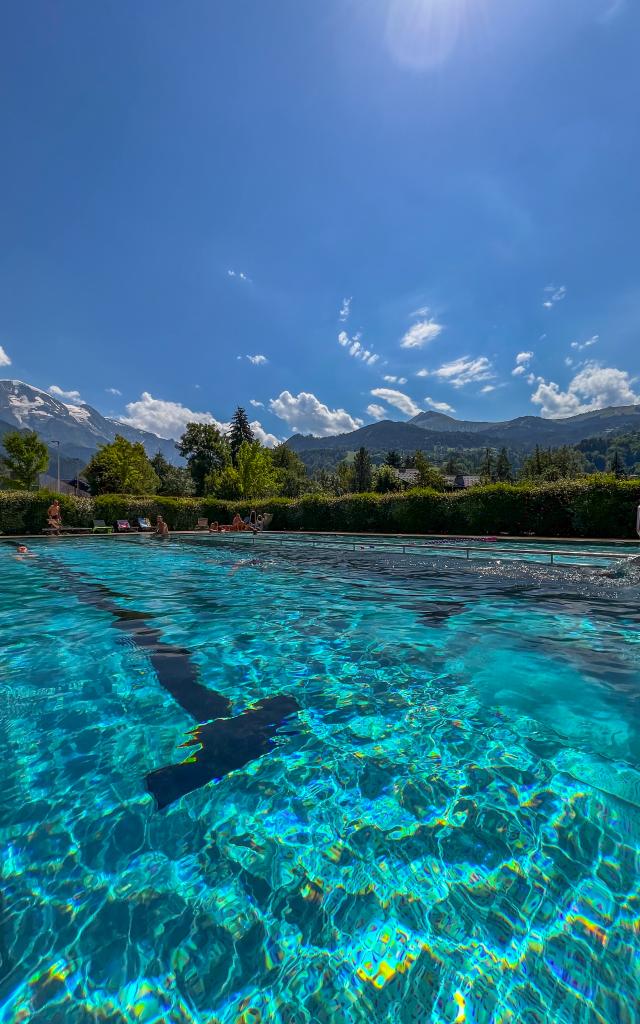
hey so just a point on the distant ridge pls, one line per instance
(429, 429)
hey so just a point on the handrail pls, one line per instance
(416, 548)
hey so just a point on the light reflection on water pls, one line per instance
(449, 832)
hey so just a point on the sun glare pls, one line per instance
(422, 34)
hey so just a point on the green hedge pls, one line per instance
(598, 506)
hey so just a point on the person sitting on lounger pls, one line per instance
(54, 516)
(236, 523)
(162, 530)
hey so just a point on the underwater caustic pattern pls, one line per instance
(305, 786)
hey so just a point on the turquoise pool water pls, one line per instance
(436, 817)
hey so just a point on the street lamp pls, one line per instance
(58, 444)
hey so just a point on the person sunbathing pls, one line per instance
(236, 523)
(214, 528)
(54, 516)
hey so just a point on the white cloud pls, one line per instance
(531, 379)
(465, 370)
(256, 404)
(258, 360)
(421, 333)
(4, 358)
(522, 363)
(114, 391)
(422, 373)
(306, 414)
(377, 412)
(240, 274)
(594, 387)
(356, 349)
(71, 396)
(580, 347)
(265, 438)
(439, 406)
(397, 399)
(390, 379)
(167, 419)
(487, 389)
(422, 311)
(345, 309)
(554, 295)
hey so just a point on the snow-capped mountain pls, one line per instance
(79, 429)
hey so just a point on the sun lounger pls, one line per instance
(144, 524)
(266, 519)
(123, 526)
(99, 526)
(202, 524)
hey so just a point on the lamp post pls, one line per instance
(58, 444)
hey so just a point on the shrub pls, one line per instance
(601, 506)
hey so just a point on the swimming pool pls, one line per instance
(436, 816)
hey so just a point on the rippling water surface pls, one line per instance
(441, 825)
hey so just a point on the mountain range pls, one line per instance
(77, 429)
(429, 431)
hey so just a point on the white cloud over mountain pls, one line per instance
(169, 419)
(4, 358)
(465, 370)
(398, 399)
(306, 414)
(376, 412)
(439, 406)
(594, 387)
(64, 396)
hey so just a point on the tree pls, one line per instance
(503, 467)
(292, 471)
(362, 471)
(487, 472)
(253, 476)
(121, 468)
(452, 467)
(428, 475)
(240, 432)
(206, 452)
(344, 480)
(617, 465)
(393, 458)
(26, 456)
(175, 481)
(386, 480)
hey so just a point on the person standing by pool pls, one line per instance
(54, 517)
(162, 530)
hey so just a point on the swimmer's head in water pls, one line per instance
(22, 549)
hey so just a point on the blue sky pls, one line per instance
(395, 204)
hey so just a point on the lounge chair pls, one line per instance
(123, 526)
(144, 524)
(99, 526)
(202, 524)
(266, 519)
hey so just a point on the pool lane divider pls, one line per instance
(225, 744)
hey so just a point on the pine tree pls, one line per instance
(617, 465)
(503, 467)
(486, 467)
(362, 471)
(239, 431)
(392, 458)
